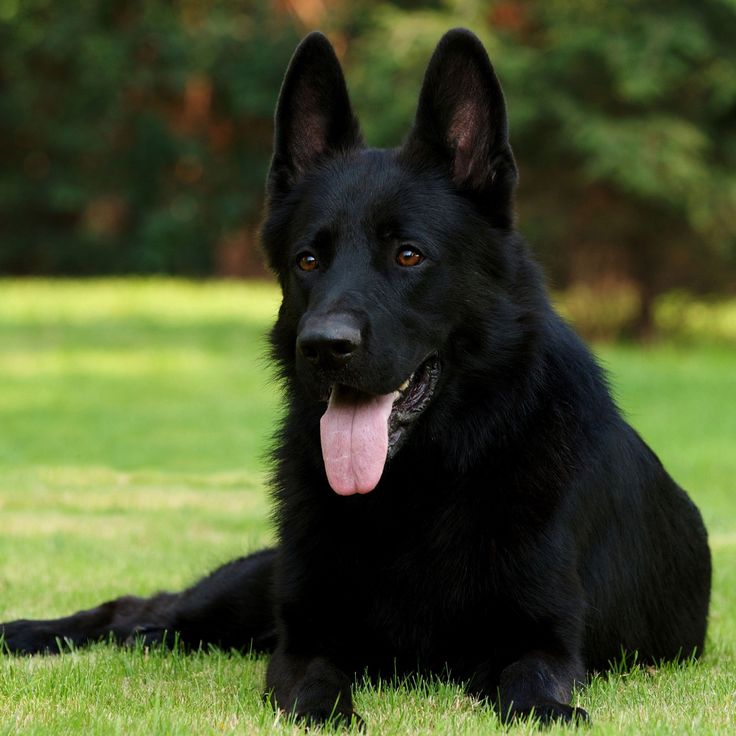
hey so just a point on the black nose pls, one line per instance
(329, 342)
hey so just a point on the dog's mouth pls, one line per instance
(360, 431)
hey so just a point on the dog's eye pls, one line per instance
(307, 262)
(408, 257)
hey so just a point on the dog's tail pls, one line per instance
(231, 608)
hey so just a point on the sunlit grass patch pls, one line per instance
(135, 420)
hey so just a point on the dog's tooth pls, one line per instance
(406, 383)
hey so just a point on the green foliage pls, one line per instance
(623, 120)
(606, 314)
(135, 136)
(135, 416)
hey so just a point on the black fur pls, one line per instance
(522, 534)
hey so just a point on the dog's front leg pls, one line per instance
(312, 689)
(539, 685)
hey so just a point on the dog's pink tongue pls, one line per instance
(354, 432)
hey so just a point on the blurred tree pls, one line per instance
(623, 120)
(134, 135)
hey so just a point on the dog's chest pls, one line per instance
(432, 584)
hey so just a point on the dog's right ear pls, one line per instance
(313, 115)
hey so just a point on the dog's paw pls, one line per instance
(148, 635)
(313, 708)
(316, 717)
(549, 712)
(30, 637)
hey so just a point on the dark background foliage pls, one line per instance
(134, 136)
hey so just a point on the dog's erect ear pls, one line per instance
(461, 123)
(313, 114)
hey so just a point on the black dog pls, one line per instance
(455, 489)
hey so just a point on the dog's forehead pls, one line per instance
(372, 185)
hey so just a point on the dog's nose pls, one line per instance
(330, 342)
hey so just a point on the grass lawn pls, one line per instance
(134, 417)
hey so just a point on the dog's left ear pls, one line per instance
(461, 124)
(314, 118)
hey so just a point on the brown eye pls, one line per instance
(408, 257)
(307, 262)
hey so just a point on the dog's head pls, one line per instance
(385, 256)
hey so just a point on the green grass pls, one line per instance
(134, 417)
